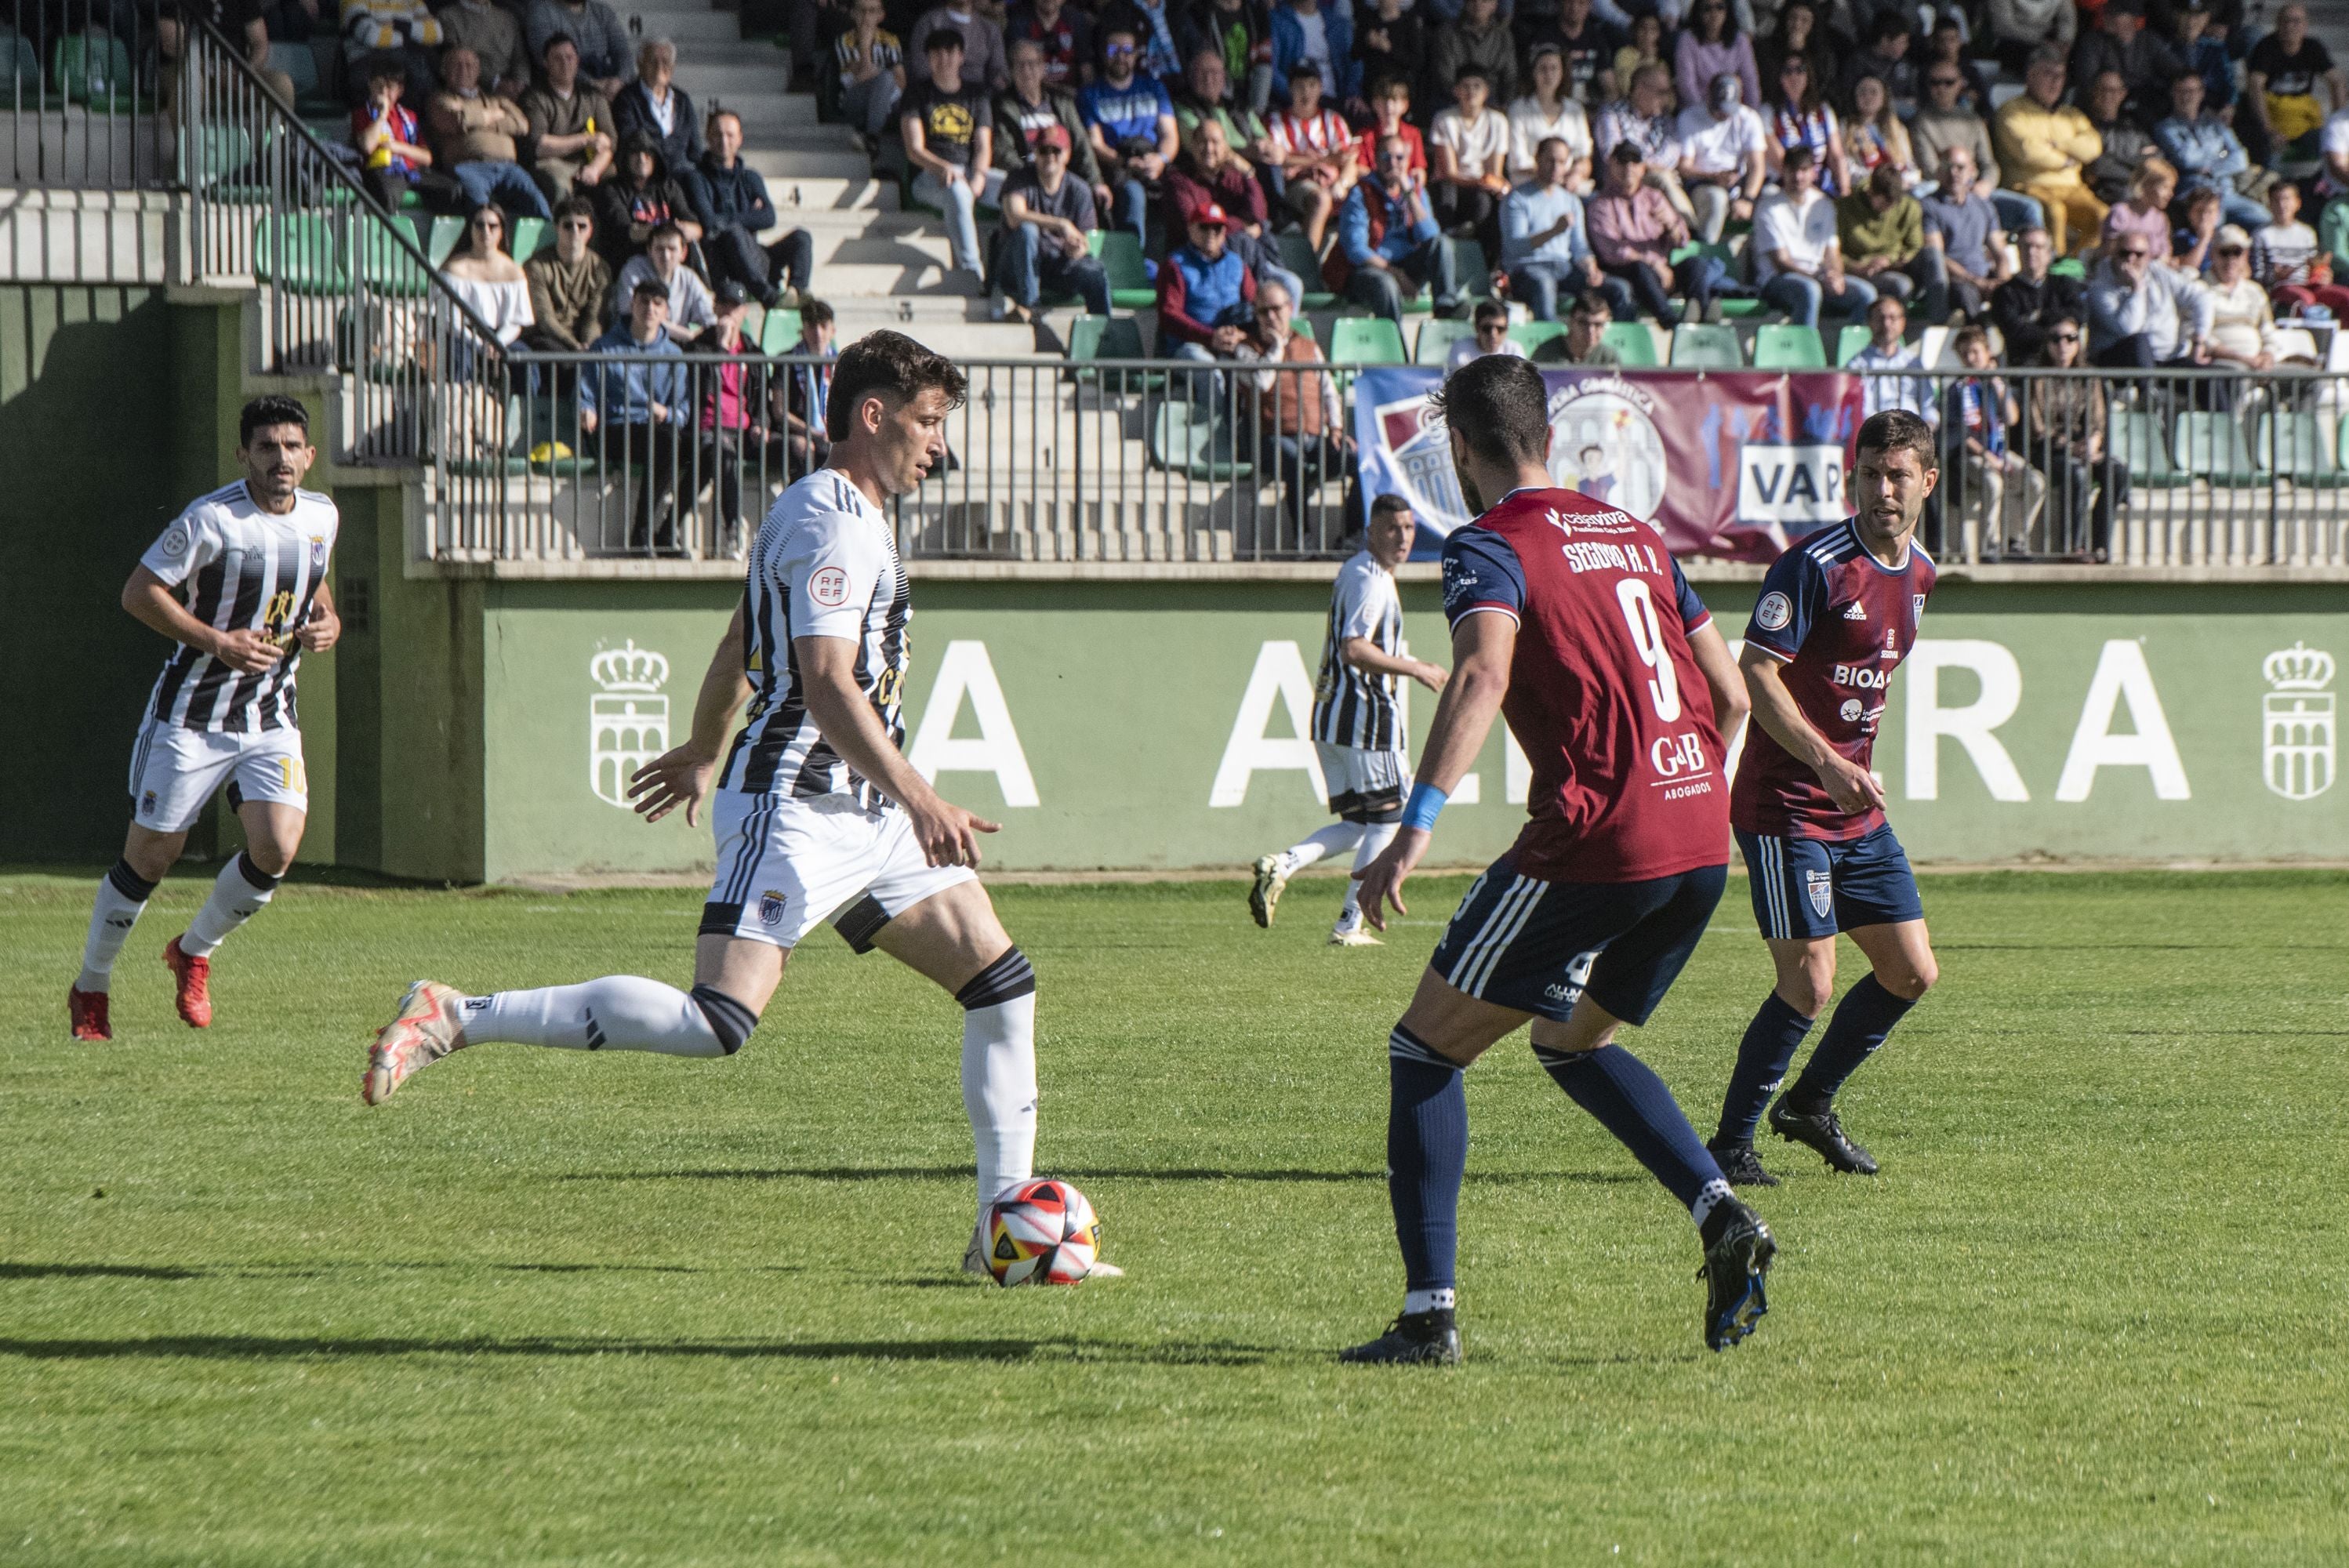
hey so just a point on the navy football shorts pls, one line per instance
(1536, 947)
(1810, 888)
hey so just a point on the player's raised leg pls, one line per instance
(1274, 870)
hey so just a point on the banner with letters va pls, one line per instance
(1736, 464)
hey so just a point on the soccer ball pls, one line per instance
(1041, 1233)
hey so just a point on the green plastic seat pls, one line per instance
(94, 69)
(1533, 336)
(778, 331)
(20, 59)
(1854, 338)
(1096, 342)
(1436, 336)
(1184, 440)
(299, 63)
(1734, 269)
(2069, 267)
(2212, 446)
(1365, 340)
(2296, 446)
(1296, 254)
(529, 235)
(1470, 270)
(1697, 346)
(385, 265)
(2134, 436)
(1783, 345)
(1129, 282)
(297, 253)
(209, 157)
(1633, 344)
(438, 237)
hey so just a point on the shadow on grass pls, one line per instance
(255, 1348)
(1165, 1174)
(94, 1271)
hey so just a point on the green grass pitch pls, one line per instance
(545, 1307)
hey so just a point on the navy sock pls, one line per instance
(1762, 1058)
(1632, 1102)
(1861, 1020)
(1427, 1150)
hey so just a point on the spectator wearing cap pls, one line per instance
(2242, 323)
(949, 126)
(1389, 244)
(2205, 150)
(654, 106)
(1797, 250)
(2026, 304)
(2045, 145)
(986, 68)
(1546, 110)
(1210, 172)
(1311, 37)
(1479, 38)
(593, 29)
(478, 135)
(1206, 299)
(662, 261)
(1468, 151)
(570, 143)
(1881, 233)
(1042, 248)
(568, 283)
(735, 210)
(2019, 29)
(1964, 227)
(1546, 243)
(1724, 159)
(638, 407)
(2142, 59)
(1634, 232)
(1130, 120)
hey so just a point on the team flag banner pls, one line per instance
(1737, 463)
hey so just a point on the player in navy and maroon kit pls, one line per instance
(1837, 613)
(1570, 618)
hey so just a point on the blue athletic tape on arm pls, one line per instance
(1420, 810)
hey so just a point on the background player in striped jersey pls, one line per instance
(250, 559)
(818, 815)
(1358, 721)
(1837, 613)
(1570, 618)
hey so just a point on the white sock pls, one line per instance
(617, 1013)
(238, 894)
(122, 894)
(998, 1073)
(1334, 840)
(1376, 837)
(1419, 1301)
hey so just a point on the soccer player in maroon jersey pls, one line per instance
(1838, 612)
(1570, 619)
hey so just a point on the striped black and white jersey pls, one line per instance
(245, 569)
(824, 565)
(1353, 707)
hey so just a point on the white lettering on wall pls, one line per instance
(1279, 675)
(2122, 675)
(968, 672)
(1973, 727)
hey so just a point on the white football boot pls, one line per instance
(425, 1030)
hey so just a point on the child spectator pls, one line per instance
(392, 155)
(2288, 261)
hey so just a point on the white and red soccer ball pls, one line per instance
(1042, 1232)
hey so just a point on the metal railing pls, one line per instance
(83, 82)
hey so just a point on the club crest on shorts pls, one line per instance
(1774, 611)
(1820, 885)
(770, 907)
(147, 804)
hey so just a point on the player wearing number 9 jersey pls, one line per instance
(1570, 620)
(1837, 614)
(239, 583)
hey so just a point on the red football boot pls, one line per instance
(88, 1010)
(195, 994)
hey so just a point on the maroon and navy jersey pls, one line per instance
(1604, 695)
(1840, 622)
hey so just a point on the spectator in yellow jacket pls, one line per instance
(2043, 143)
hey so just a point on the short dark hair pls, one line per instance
(1389, 504)
(1886, 181)
(576, 207)
(1627, 151)
(1464, 72)
(1890, 26)
(814, 312)
(1490, 310)
(668, 231)
(649, 284)
(1499, 405)
(387, 68)
(942, 38)
(1591, 303)
(891, 363)
(275, 409)
(1800, 158)
(548, 47)
(1895, 430)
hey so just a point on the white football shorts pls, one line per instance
(1364, 786)
(174, 771)
(787, 864)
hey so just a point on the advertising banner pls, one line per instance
(1735, 464)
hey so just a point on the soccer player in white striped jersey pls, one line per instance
(1358, 721)
(818, 815)
(250, 559)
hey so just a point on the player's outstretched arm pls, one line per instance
(150, 601)
(1484, 644)
(1850, 786)
(948, 834)
(680, 776)
(1365, 654)
(1729, 702)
